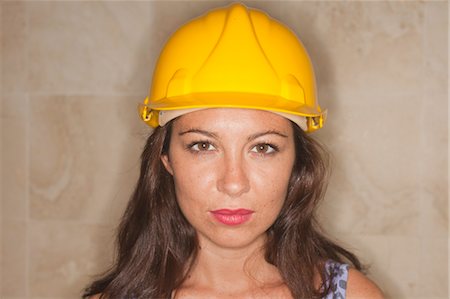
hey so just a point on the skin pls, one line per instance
(231, 158)
(236, 158)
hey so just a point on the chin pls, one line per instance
(233, 239)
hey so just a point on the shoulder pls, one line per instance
(97, 296)
(359, 286)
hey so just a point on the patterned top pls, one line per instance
(339, 282)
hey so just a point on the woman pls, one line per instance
(224, 206)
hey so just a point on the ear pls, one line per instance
(166, 162)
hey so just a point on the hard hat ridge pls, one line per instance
(246, 65)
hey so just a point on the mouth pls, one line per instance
(232, 217)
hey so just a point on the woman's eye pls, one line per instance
(264, 148)
(202, 146)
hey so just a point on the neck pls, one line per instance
(232, 270)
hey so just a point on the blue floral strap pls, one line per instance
(339, 281)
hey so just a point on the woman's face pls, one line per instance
(231, 169)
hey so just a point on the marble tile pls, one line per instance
(433, 264)
(373, 188)
(66, 255)
(403, 270)
(84, 156)
(1, 186)
(373, 252)
(274, 9)
(13, 156)
(416, 267)
(402, 266)
(434, 139)
(13, 196)
(433, 206)
(89, 47)
(13, 47)
(436, 50)
(399, 276)
(1, 60)
(361, 45)
(163, 12)
(434, 125)
(1, 165)
(14, 261)
(165, 20)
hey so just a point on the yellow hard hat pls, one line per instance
(234, 57)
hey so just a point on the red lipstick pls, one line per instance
(232, 217)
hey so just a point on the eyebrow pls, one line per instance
(250, 138)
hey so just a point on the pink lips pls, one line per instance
(232, 217)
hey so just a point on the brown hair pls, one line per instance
(157, 245)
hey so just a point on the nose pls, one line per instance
(233, 180)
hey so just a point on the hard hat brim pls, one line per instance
(308, 118)
(235, 100)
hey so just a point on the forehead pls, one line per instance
(232, 119)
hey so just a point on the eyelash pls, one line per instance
(272, 148)
(191, 146)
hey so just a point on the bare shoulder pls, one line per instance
(359, 286)
(96, 296)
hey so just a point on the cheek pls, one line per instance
(275, 195)
(278, 170)
(271, 184)
(193, 183)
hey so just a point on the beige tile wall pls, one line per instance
(72, 74)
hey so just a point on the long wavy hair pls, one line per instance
(156, 245)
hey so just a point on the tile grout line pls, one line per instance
(1, 152)
(420, 167)
(448, 150)
(421, 121)
(27, 158)
(27, 197)
(422, 188)
(139, 96)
